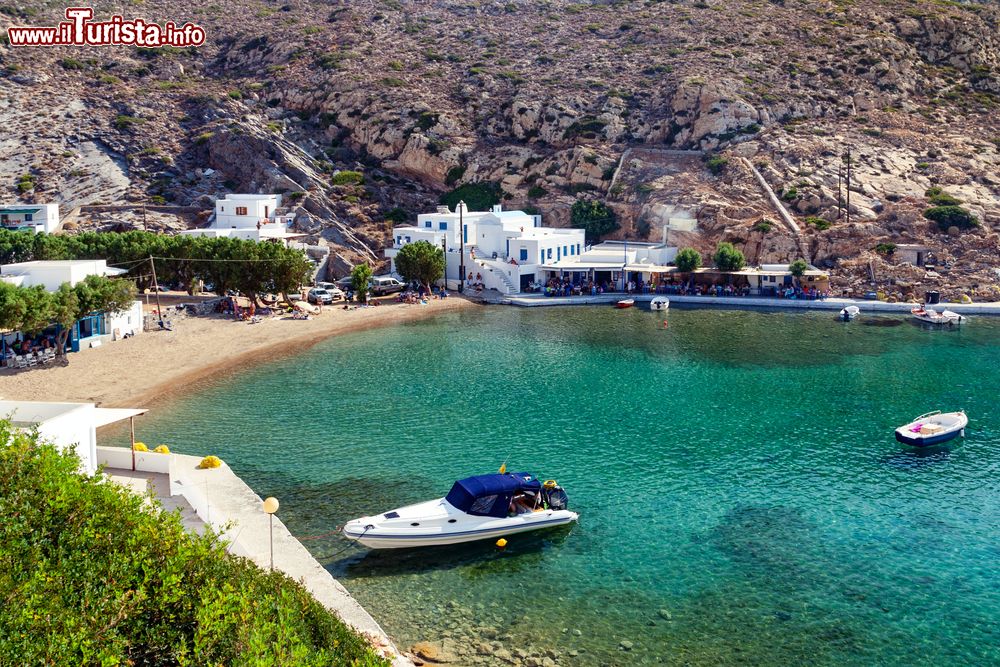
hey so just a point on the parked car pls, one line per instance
(319, 295)
(345, 283)
(332, 288)
(381, 285)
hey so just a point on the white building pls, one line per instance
(67, 425)
(32, 217)
(610, 261)
(504, 250)
(248, 217)
(92, 330)
(52, 274)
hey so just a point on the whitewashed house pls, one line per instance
(504, 250)
(249, 217)
(612, 261)
(90, 331)
(67, 425)
(31, 217)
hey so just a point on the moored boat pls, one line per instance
(625, 303)
(476, 508)
(931, 316)
(849, 313)
(659, 303)
(933, 428)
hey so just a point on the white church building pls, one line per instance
(504, 250)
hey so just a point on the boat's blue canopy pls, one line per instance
(490, 495)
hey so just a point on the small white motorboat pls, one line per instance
(931, 316)
(625, 303)
(933, 428)
(659, 303)
(477, 508)
(849, 313)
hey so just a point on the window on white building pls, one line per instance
(27, 217)
(524, 254)
(442, 226)
(549, 253)
(241, 210)
(427, 224)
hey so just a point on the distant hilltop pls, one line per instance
(736, 115)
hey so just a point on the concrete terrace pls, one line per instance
(218, 498)
(834, 304)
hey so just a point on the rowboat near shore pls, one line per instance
(933, 428)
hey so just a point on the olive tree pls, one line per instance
(421, 261)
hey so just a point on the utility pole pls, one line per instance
(144, 216)
(156, 287)
(461, 259)
(444, 249)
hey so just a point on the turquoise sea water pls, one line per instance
(742, 498)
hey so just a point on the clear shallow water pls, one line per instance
(742, 498)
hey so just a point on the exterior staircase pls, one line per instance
(494, 274)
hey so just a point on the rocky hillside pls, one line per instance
(543, 103)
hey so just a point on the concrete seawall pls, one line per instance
(834, 304)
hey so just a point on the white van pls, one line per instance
(386, 285)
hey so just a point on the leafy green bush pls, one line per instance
(397, 215)
(944, 199)
(728, 258)
(798, 268)
(885, 248)
(716, 164)
(346, 177)
(951, 216)
(763, 225)
(477, 196)
(90, 575)
(688, 259)
(124, 122)
(595, 217)
(818, 223)
(536, 191)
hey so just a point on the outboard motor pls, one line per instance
(554, 496)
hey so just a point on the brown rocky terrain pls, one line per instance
(551, 101)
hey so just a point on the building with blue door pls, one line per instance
(30, 217)
(504, 250)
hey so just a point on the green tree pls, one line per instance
(421, 261)
(728, 258)
(477, 196)
(595, 217)
(798, 268)
(951, 216)
(688, 259)
(361, 275)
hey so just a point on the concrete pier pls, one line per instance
(765, 303)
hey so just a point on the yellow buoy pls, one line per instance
(501, 543)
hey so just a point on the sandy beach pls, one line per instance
(153, 366)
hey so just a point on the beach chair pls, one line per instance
(19, 362)
(32, 360)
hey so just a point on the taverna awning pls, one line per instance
(606, 266)
(105, 416)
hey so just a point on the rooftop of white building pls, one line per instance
(98, 265)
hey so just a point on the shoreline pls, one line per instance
(742, 302)
(155, 366)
